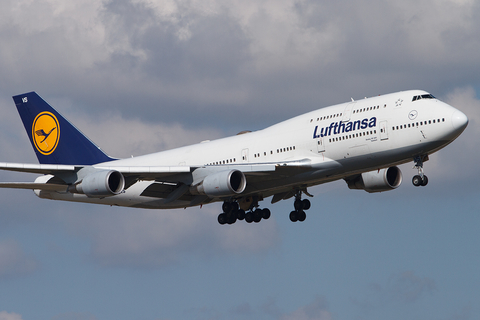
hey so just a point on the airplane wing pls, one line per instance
(153, 172)
(174, 181)
(35, 186)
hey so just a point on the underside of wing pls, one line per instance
(172, 183)
(35, 186)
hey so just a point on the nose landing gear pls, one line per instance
(420, 179)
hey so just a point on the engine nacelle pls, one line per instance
(101, 184)
(222, 184)
(378, 180)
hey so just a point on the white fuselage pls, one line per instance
(338, 141)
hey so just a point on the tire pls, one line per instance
(231, 218)
(249, 217)
(298, 204)
(257, 216)
(306, 204)
(417, 181)
(293, 216)
(222, 218)
(301, 215)
(424, 181)
(240, 214)
(227, 207)
(266, 213)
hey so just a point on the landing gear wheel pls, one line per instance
(222, 218)
(306, 204)
(293, 216)
(227, 207)
(266, 213)
(231, 218)
(301, 216)
(249, 217)
(424, 181)
(417, 181)
(257, 215)
(240, 214)
(298, 204)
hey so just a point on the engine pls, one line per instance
(101, 184)
(221, 184)
(378, 180)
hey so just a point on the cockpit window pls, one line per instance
(423, 96)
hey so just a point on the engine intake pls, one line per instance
(221, 184)
(378, 180)
(101, 184)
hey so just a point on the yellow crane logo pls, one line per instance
(45, 133)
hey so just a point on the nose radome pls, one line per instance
(459, 120)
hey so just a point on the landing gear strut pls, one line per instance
(420, 179)
(300, 205)
(232, 212)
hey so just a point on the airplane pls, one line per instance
(361, 142)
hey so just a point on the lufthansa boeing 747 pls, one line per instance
(361, 142)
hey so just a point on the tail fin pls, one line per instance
(54, 139)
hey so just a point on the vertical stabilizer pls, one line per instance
(54, 139)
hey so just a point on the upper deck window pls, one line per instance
(423, 96)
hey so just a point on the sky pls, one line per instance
(140, 76)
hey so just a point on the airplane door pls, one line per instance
(383, 130)
(320, 145)
(245, 155)
(348, 111)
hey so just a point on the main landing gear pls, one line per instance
(300, 205)
(232, 212)
(420, 179)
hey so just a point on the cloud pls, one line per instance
(153, 239)
(448, 164)
(14, 262)
(316, 310)
(74, 316)
(122, 138)
(238, 60)
(406, 287)
(401, 288)
(4, 315)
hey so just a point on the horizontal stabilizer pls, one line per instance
(36, 168)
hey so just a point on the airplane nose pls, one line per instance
(459, 121)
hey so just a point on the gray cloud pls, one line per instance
(402, 288)
(14, 262)
(74, 316)
(4, 315)
(406, 287)
(316, 310)
(186, 60)
(149, 239)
